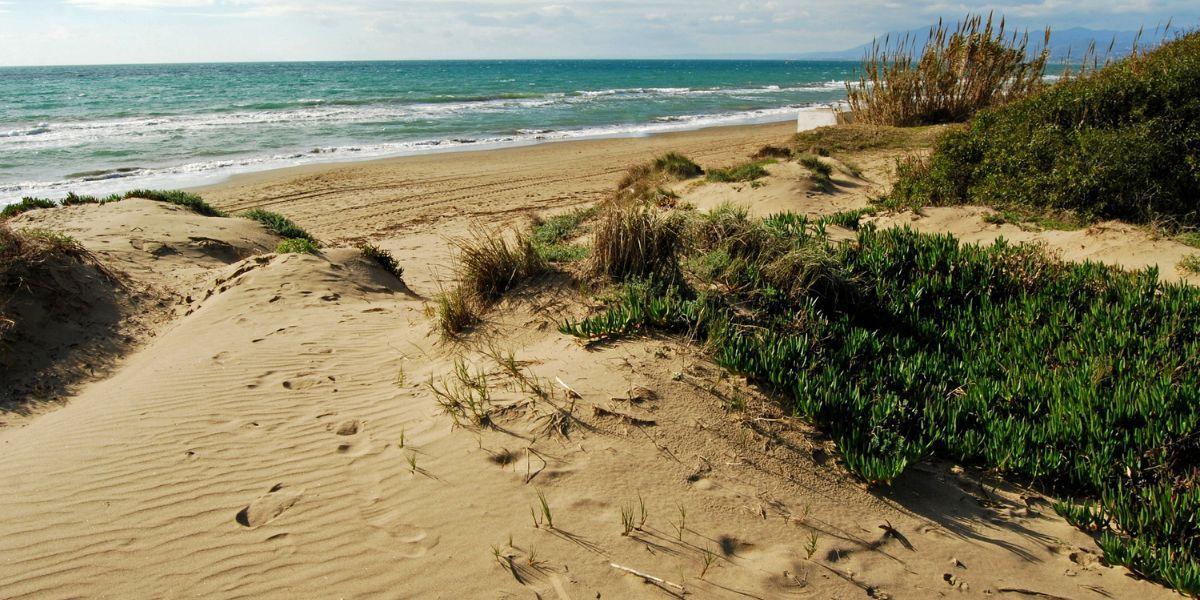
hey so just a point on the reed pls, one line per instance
(959, 71)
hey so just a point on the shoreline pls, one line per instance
(186, 177)
(384, 195)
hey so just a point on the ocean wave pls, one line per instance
(374, 110)
(199, 172)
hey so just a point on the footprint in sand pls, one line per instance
(267, 506)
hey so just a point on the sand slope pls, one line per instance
(279, 440)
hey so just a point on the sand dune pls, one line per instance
(278, 437)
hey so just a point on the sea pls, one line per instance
(106, 129)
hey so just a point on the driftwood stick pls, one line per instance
(647, 576)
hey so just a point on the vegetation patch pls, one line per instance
(551, 236)
(678, 166)
(490, 264)
(820, 173)
(1120, 143)
(25, 205)
(748, 171)
(456, 312)
(278, 224)
(635, 241)
(187, 200)
(383, 258)
(646, 182)
(297, 246)
(1079, 378)
(1191, 264)
(958, 72)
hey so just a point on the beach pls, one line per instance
(277, 427)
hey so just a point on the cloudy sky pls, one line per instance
(124, 31)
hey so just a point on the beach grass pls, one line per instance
(551, 236)
(490, 262)
(188, 200)
(959, 71)
(278, 224)
(383, 258)
(635, 241)
(1076, 378)
(747, 171)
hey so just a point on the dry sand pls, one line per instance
(277, 437)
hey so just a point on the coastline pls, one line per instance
(200, 175)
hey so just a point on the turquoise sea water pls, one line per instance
(99, 129)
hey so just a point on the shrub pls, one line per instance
(26, 259)
(187, 200)
(25, 205)
(296, 246)
(278, 224)
(748, 171)
(635, 241)
(1077, 377)
(1120, 143)
(958, 72)
(489, 264)
(383, 258)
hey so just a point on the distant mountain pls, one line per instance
(1064, 43)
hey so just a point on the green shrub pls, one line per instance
(1120, 143)
(187, 200)
(297, 246)
(1080, 378)
(748, 171)
(383, 258)
(278, 224)
(25, 205)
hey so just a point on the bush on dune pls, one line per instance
(187, 200)
(1121, 142)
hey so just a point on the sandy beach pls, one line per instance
(270, 430)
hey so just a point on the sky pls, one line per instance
(44, 32)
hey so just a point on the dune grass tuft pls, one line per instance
(959, 71)
(383, 258)
(26, 205)
(747, 171)
(278, 224)
(490, 263)
(1191, 264)
(635, 241)
(297, 246)
(187, 200)
(678, 166)
(456, 312)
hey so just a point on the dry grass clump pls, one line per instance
(636, 241)
(960, 71)
(645, 182)
(490, 264)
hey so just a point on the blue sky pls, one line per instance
(123, 31)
